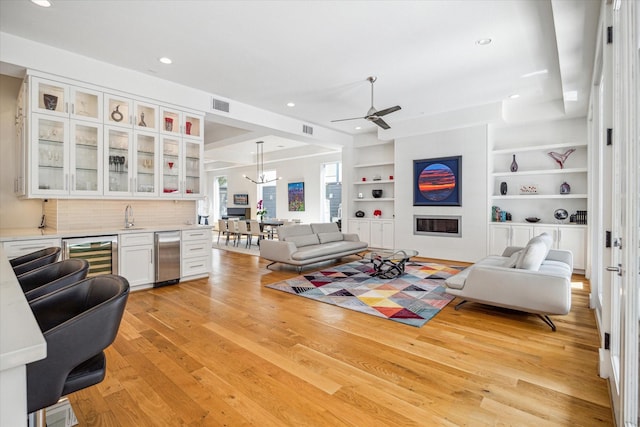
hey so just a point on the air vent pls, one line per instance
(220, 105)
(307, 129)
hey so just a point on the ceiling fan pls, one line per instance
(374, 115)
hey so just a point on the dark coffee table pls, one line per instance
(388, 264)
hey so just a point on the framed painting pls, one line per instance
(295, 191)
(437, 182)
(241, 199)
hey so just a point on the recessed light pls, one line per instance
(291, 104)
(483, 42)
(358, 128)
(514, 96)
(41, 3)
(165, 60)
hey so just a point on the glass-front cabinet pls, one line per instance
(145, 177)
(67, 157)
(118, 155)
(181, 167)
(58, 99)
(171, 166)
(86, 158)
(176, 122)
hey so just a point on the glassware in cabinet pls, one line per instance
(86, 158)
(50, 155)
(170, 166)
(118, 153)
(146, 155)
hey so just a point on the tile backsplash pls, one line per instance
(70, 215)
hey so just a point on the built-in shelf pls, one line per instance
(380, 181)
(538, 148)
(368, 165)
(541, 172)
(371, 199)
(540, 196)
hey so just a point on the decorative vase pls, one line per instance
(376, 194)
(503, 188)
(514, 164)
(188, 128)
(565, 188)
(50, 101)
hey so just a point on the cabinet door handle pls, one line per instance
(73, 108)
(66, 181)
(73, 182)
(66, 107)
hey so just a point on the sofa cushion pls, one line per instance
(335, 236)
(303, 240)
(285, 231)
(325, 227)
(512, 260)
(534, 253)
(327, 249)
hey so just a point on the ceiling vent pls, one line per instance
(220, 105)
(307, 129)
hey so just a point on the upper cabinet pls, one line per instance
(76, 141)
(64, 100)
(180, 123)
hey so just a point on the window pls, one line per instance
(332, 198)
(219, 197)
(267, 193)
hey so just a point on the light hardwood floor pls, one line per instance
(230, 352)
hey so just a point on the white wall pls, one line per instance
(14, 213)
(471, 144)
(306, 169)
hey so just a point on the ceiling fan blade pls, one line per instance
(343, 120)
(387, 111)
(381, 123)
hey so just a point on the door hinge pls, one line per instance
(607, 341)
(610, 35)
(609, 136)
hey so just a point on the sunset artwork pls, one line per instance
(436, 182)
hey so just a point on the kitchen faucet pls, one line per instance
(128, 217)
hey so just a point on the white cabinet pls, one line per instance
(361, 227)
(66, 157)
(181, 167)
(181, 123)
(22, 247)
(382, 234)
(195, 249)
(502, 235)
(568, 237)
(136, 258)
(65, 100)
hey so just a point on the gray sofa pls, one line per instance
(304, 244)
(534, 279)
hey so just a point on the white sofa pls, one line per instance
(304, 244)
(534, 279)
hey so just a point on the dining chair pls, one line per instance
(257, 231)
(243, 230)
(223, 229)
(232, 225)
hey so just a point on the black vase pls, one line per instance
(514, 164)
(503, 188)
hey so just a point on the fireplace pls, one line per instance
(437, 225)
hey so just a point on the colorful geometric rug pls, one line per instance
(413, 298)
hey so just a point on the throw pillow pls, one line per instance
(301, 241)
(330, 237)
(534, 253)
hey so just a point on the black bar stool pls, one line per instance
(34, 260)
(52, 277)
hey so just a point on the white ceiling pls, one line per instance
(318, 54)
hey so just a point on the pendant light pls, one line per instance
(260, 179)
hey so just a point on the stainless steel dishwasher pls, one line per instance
(167, 258)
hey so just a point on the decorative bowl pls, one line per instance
(561, 214)
(376, 193)
(50, 101)
(532, 219)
